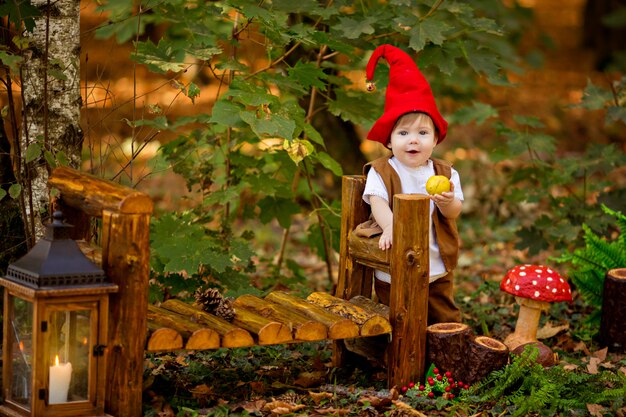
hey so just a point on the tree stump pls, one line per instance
(448, 346)
(485, 355)
(613, 321)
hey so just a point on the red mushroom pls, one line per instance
(534, 287)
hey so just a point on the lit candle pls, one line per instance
(60, 376)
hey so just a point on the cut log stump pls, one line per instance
(196, 336)
(613, 321)
(303, 327)
(231, 336)
(163, 339)
(485, 355)
(371, 324)
(268, 332)
(448, 346)
(338, 327)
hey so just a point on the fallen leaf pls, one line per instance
(252, 407)
(600, 354)
(548, 330)
(581, 346)
(623, 370)
(592, 367)
(570, 367)
(333, 411)
(310, 379)
(318, 397)
(596, 410)
(404, 410)
(376, 402)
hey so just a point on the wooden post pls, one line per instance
(613, 319)
(353, 279)
(409, 266)
(125, 217)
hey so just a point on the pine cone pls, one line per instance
(225, 309)
(209, 298)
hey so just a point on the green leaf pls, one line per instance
(355, 28)
(273, 125)
(478, 112)
(313, 134)
(280, 209)
(482, 60)
(595, 98)
(308, 75)
(226, 112)
(50, 159)
(33, 152)
(192, 92)
(15, 190)
(160, 58)
(329, 163)
(616, 114)
(3, 193)
(11, 61)
(428, 30)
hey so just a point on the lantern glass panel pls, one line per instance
(21, 336)
(69, 342)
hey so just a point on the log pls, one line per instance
(371, 306)
(197, 337)
(268, 332)
(302, 327)
(485, 356)
(448, 347)
(94, 195)
(338, 327)
(232, 336)
(366, 252)
(163, 339)
(613, 319)
(370, 324)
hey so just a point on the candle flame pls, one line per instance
(84, 340)
(56, 360)
(21, 346)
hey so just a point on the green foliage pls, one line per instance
(590, 264)
(526, 388)
(279, 66)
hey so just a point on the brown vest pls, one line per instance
(446, 231)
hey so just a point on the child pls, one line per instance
(411, 127)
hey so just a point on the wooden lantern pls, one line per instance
(55, 330)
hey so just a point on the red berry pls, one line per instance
(448, 374)
(451, 396)
(419, 395)
(411, 384)
(431, 394)
(453, 385)
(460, 383)
(439, 377)
(451, 380)
(404, 389)
(431, 382)
(448, 389)
(422, 387)
(435, 371)
(430, 378)
(466, 386)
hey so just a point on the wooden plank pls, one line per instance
(231, 336)
(409, 289)
(163, 339)
(370, 324)
(303, 327)
(338, 327)
(196, 336)
(366, 252)
(268, 332)
(94, 195)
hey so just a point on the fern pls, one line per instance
(591, 263)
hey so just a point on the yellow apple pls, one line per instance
(437, 184)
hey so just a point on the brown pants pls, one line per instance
(441, 307)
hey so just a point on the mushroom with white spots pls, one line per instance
(534, 288)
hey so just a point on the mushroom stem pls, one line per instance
(526, 327)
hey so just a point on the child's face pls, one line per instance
(413, 139)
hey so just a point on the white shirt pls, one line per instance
(413, 181)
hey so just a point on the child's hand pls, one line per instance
(444, 199)
(386, 238)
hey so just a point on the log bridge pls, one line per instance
(135, 327)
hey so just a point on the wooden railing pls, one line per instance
(136, 326)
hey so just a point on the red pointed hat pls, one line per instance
(407, 91)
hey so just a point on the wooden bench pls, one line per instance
(135, 326)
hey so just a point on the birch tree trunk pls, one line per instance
(51, 102)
